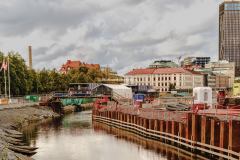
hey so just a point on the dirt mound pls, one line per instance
(170, 95)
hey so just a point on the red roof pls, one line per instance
(75, 64)
(141, 71)
(160, 71)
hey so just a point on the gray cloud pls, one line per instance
(117, 33)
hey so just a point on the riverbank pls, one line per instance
(19, 117)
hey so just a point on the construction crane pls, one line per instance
(179, 63)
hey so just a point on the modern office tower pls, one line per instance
(202, 61)
(229, 33)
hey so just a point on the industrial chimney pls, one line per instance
(30, 57)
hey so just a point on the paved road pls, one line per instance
(5, 106)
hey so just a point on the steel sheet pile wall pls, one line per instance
(200, 133)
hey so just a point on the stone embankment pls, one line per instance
(18, 117)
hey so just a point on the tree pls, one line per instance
(93, 73)
(171, 86)
(83, 69)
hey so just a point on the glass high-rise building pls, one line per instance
(229, 33)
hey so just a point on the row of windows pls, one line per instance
(154, 79)
(164, 84)
(232, 6)
(232, 12)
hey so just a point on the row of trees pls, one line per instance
(27, 81)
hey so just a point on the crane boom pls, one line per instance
(180, 58)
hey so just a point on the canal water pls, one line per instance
(76, 137)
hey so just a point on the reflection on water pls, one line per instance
(75, 137)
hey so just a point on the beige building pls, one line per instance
(188, 60)
(223, 68)
(160, 78)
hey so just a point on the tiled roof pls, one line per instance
(160, 71)
(141, 71)
(76, 64)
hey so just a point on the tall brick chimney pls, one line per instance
(30, 57)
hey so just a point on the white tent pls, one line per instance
(121, 90)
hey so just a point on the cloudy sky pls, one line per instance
(123, 34)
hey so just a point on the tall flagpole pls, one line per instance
(5, 82)
(8, 77)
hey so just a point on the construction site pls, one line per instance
(200, 123)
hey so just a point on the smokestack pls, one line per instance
(30, 57)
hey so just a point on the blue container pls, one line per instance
(138, 96)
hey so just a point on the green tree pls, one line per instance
(93, 73)
(83, 69)
(171, 86)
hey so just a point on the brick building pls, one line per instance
(74, 65)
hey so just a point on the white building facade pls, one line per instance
(160, 78)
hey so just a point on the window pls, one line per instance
(154, 79)
(158, 78)
(149, 84)
(158, 84)
(205, 96)
(165, 84)
(174, 78)
(169, 78)
(162, 84)
(165, 78)
(134, 79)
(174, 84)
(148, 79)
(140, 79)
(195, 95)
(162, 89)
(165, 89)
(180, 84)
(162, 78)
(137, 79)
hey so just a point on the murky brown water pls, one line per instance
(76, 137)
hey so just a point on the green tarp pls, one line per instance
(66, 102)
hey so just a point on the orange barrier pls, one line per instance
(4, 101)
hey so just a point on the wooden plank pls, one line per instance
(12, 131)
(20, 150)
(14, 136)
(16, 143)
(26, 147)
(22, 157)
(11, 139)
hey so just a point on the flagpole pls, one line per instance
(8, 77)
(5, 83)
